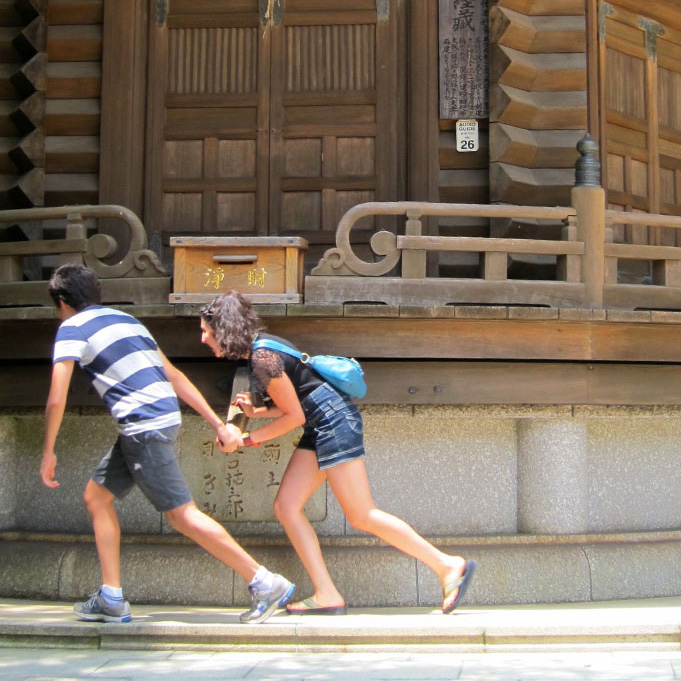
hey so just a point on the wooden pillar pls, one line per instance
(423, 133)
(122, 129)
(589, 202)
(423, 160)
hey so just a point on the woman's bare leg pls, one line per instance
(300, 481)
(350, 484)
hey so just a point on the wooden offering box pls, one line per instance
(264, 269)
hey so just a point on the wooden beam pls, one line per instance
(74, 43)
(72, 154)
(664, 11)
(487, 333)
(537, 72)
(541, 34)
(71, 189)
(72, 117)
(544, 7)
(527, 186)
(71, 12)
(534, 148)
(538, 110)
(485, 245)
(74, 80)
(411, 383)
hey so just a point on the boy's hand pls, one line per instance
(47, 468)
(229, 438)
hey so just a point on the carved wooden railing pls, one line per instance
(664, 291)
(341, 276)
(140, 274)
(586, 257)
(586, 272)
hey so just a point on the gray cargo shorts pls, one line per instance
(149, 461)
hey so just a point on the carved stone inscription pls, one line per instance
(463, 59)
(240, 486)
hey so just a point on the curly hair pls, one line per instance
(234, 323)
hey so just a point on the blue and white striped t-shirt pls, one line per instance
(122, 359)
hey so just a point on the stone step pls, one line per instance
(511, 570)
(653, 624)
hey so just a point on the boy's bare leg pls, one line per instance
(100, 505)
(213, 537)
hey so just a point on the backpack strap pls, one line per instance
(276, 345)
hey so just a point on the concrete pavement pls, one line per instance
(116, 665)
(637, 640)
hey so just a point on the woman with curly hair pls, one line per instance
(291, 394)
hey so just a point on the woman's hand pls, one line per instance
(244, 402)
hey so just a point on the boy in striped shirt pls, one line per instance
(140, 388)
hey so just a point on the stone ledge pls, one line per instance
(360, 541)
(382, 311)
(367, 576)
(440, 411)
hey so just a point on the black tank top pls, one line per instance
(265, 364)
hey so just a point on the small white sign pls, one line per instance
(467, 138)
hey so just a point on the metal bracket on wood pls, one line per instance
(604, 11)
(161, 12)
(271, 12)
(652, 30)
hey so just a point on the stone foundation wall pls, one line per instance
(449, 471)
(557, 503)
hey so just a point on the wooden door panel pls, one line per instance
(208, 161)
(669, 96)
(213, 60)
(669, 114)
(640, 115)
(640, 118)
(272, 125)
(198, 122)
(625, 84)
(302, 157)
(624, 75)
(331, 131)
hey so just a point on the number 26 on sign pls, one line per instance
(467, 138)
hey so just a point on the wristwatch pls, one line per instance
(248, 440)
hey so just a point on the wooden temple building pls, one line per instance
(479, 200)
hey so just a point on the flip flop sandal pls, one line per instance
(461, 583)
(312, 608)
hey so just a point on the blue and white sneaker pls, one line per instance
(96, 609)
(264, 603)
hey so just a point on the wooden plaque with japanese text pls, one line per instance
(463, 42)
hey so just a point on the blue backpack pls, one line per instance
(343, 373)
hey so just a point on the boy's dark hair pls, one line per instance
(76, 285)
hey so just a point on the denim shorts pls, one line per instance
(333, 427)
(149, 461)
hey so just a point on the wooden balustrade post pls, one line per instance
(413, 262)
(588, 200)
(75, 229)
